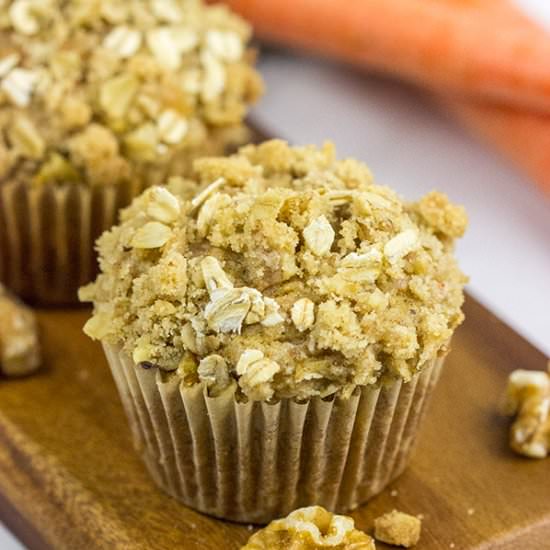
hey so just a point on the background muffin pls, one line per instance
(107, 97)
(282, 275)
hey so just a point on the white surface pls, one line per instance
(7, 541)
(412, 147)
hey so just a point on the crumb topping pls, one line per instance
(103, 91)
(283, 269)
(398, 528)
(309, 529)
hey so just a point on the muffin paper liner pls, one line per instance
(47, 236)
(252, 462)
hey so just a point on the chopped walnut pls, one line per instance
(397, 528)
(294, 267)
(19, 347)
(308, 529)
(167, 80)
(528, 399)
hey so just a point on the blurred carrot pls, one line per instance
(477, 48)
(523, 136)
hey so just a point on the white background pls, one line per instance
(413, 147)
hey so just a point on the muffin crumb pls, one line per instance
(397, 528)
(308, 528)
(19, 347)
(528, 399)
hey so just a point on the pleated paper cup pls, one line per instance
(47, 236)
(252, 462)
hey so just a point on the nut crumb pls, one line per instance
(19, 347)
(397, 528)
(309, 528)
(528, 399)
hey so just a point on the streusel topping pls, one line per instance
(310, 528)
(103, 91)
(283, 269)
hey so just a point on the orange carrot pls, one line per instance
(523, 136)
(478, 48)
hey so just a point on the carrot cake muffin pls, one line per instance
(284, 275)
(112, 96)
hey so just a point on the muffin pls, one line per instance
(97, 101)
(275, 325)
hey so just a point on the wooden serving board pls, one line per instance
(69, 478)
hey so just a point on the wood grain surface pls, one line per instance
(69, 478)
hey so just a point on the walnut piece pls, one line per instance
(19, 347)
(308, 529)
(397, 528)
(528, 398)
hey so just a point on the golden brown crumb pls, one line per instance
(282, 268)
(397, 528)
(446, 218)
(528, 398)
(19, 348)
(105, 91)
(310, 528)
